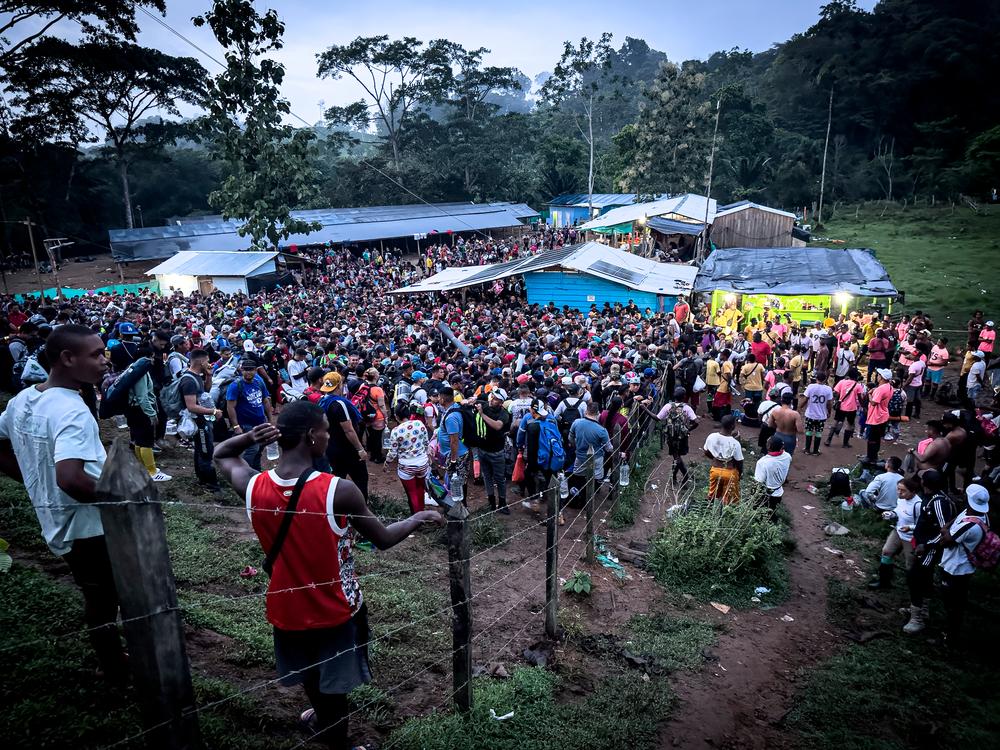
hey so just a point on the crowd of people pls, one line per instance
(457, 389)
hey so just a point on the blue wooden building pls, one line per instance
(577, 276)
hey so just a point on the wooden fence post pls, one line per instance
(552, 564)
(137, 545)
(614, 489)
(460, 582)
(589, 490)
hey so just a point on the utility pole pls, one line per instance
(34, 257)
(708, 193)
(826, 145)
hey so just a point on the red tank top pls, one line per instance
(315, 560)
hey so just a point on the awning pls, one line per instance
(616, 229)
(795, 270)
(672, 226)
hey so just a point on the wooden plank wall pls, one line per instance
(752, 228)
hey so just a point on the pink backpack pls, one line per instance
(986, 554)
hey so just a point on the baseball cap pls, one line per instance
(331, 382)
(885, 373)
(566, 380)
(989, 323)
(540, 407)
(978, 497)
(177, 340)
(248, 364)
(978, 354)
(499, 393)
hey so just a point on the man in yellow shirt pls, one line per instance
(713, 374)
(720, 404)
(752, 379)
(796, 364)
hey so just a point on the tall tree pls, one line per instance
(579, 82)
(270, 169)
(397, 77)
(102, 86)
(24, 23)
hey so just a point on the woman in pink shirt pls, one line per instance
(847, 392)
(935, 367)
(877, 417)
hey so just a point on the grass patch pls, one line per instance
(52, 696)
(672, 643)
(17, 518)
(630, 498)
(540, 721)
(936, 255)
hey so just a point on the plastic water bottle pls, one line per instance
(457, 490)
(272, 451)
(385, 439)
(563, 486)
(623, 473)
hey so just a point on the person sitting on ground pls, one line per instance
(321, 631)
(881, 491)
(726, 454)
(772, 471)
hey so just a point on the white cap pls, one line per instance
(567, 380)
(978, 354)
(989, 323)
(885, 373)
(978, 497)
(499, 393)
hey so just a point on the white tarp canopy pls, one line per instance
(197, 263)
(593, 258)
(688, 206)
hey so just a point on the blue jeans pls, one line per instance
(252, 454)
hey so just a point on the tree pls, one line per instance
(103, 85)
(579, 82)
(269, 162)
(396, 76)
(114, 17)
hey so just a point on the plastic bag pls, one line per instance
(187, 427)
(699, 384)
(518, 473)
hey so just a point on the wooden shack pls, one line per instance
(747, 224)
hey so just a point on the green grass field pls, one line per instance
(946, 260)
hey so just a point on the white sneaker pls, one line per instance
(159, 476)
(429, 501)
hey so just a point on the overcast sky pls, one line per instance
(526, 35)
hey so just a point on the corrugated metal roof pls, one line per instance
(599, 199)
(733, 208)
(795, 270)
(338, 225)
(193, 263)
(672, 226)
(688, 206)
(592, 258)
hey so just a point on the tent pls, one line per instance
(807, 283)
(578, 276)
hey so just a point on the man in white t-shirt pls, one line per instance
(726, 454)
(49, 440)
(959, 540)
(817, 400)
(772, 471)
(976, 377)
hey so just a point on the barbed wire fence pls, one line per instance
(152, 616)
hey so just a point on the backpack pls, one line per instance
(473, 426)
(183, 361)
(896, 402)
(115, 389)
(401, 399)
(986, 554)
(32, 371)
(363, 402)
(551, 453)
(676, 425)
(570, 414)
(171, 398)
(840, 484)
(352, 411)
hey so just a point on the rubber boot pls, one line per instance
(847, 438)
(884, 579)
(504, 510)
(916, 623)
(146, 456)
(833, 433)
(492, 501)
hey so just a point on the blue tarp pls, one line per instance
(671, 226)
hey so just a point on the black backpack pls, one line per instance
(473, 426)
(570, 414)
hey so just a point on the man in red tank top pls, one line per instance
(314, 600)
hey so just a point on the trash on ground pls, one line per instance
(808, 507)
(249, 572)
(787, 618)
(833, 551)
(812, 489)
(508, 715)
(836, 529)
(723, 608)
(755, 599)
(762, 590)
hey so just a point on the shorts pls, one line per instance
(845, 416)
(339, 654)
(935, 376)
(815, 426)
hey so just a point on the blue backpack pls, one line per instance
(327, 401)
(551, 454)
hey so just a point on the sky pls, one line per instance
(525, 35)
